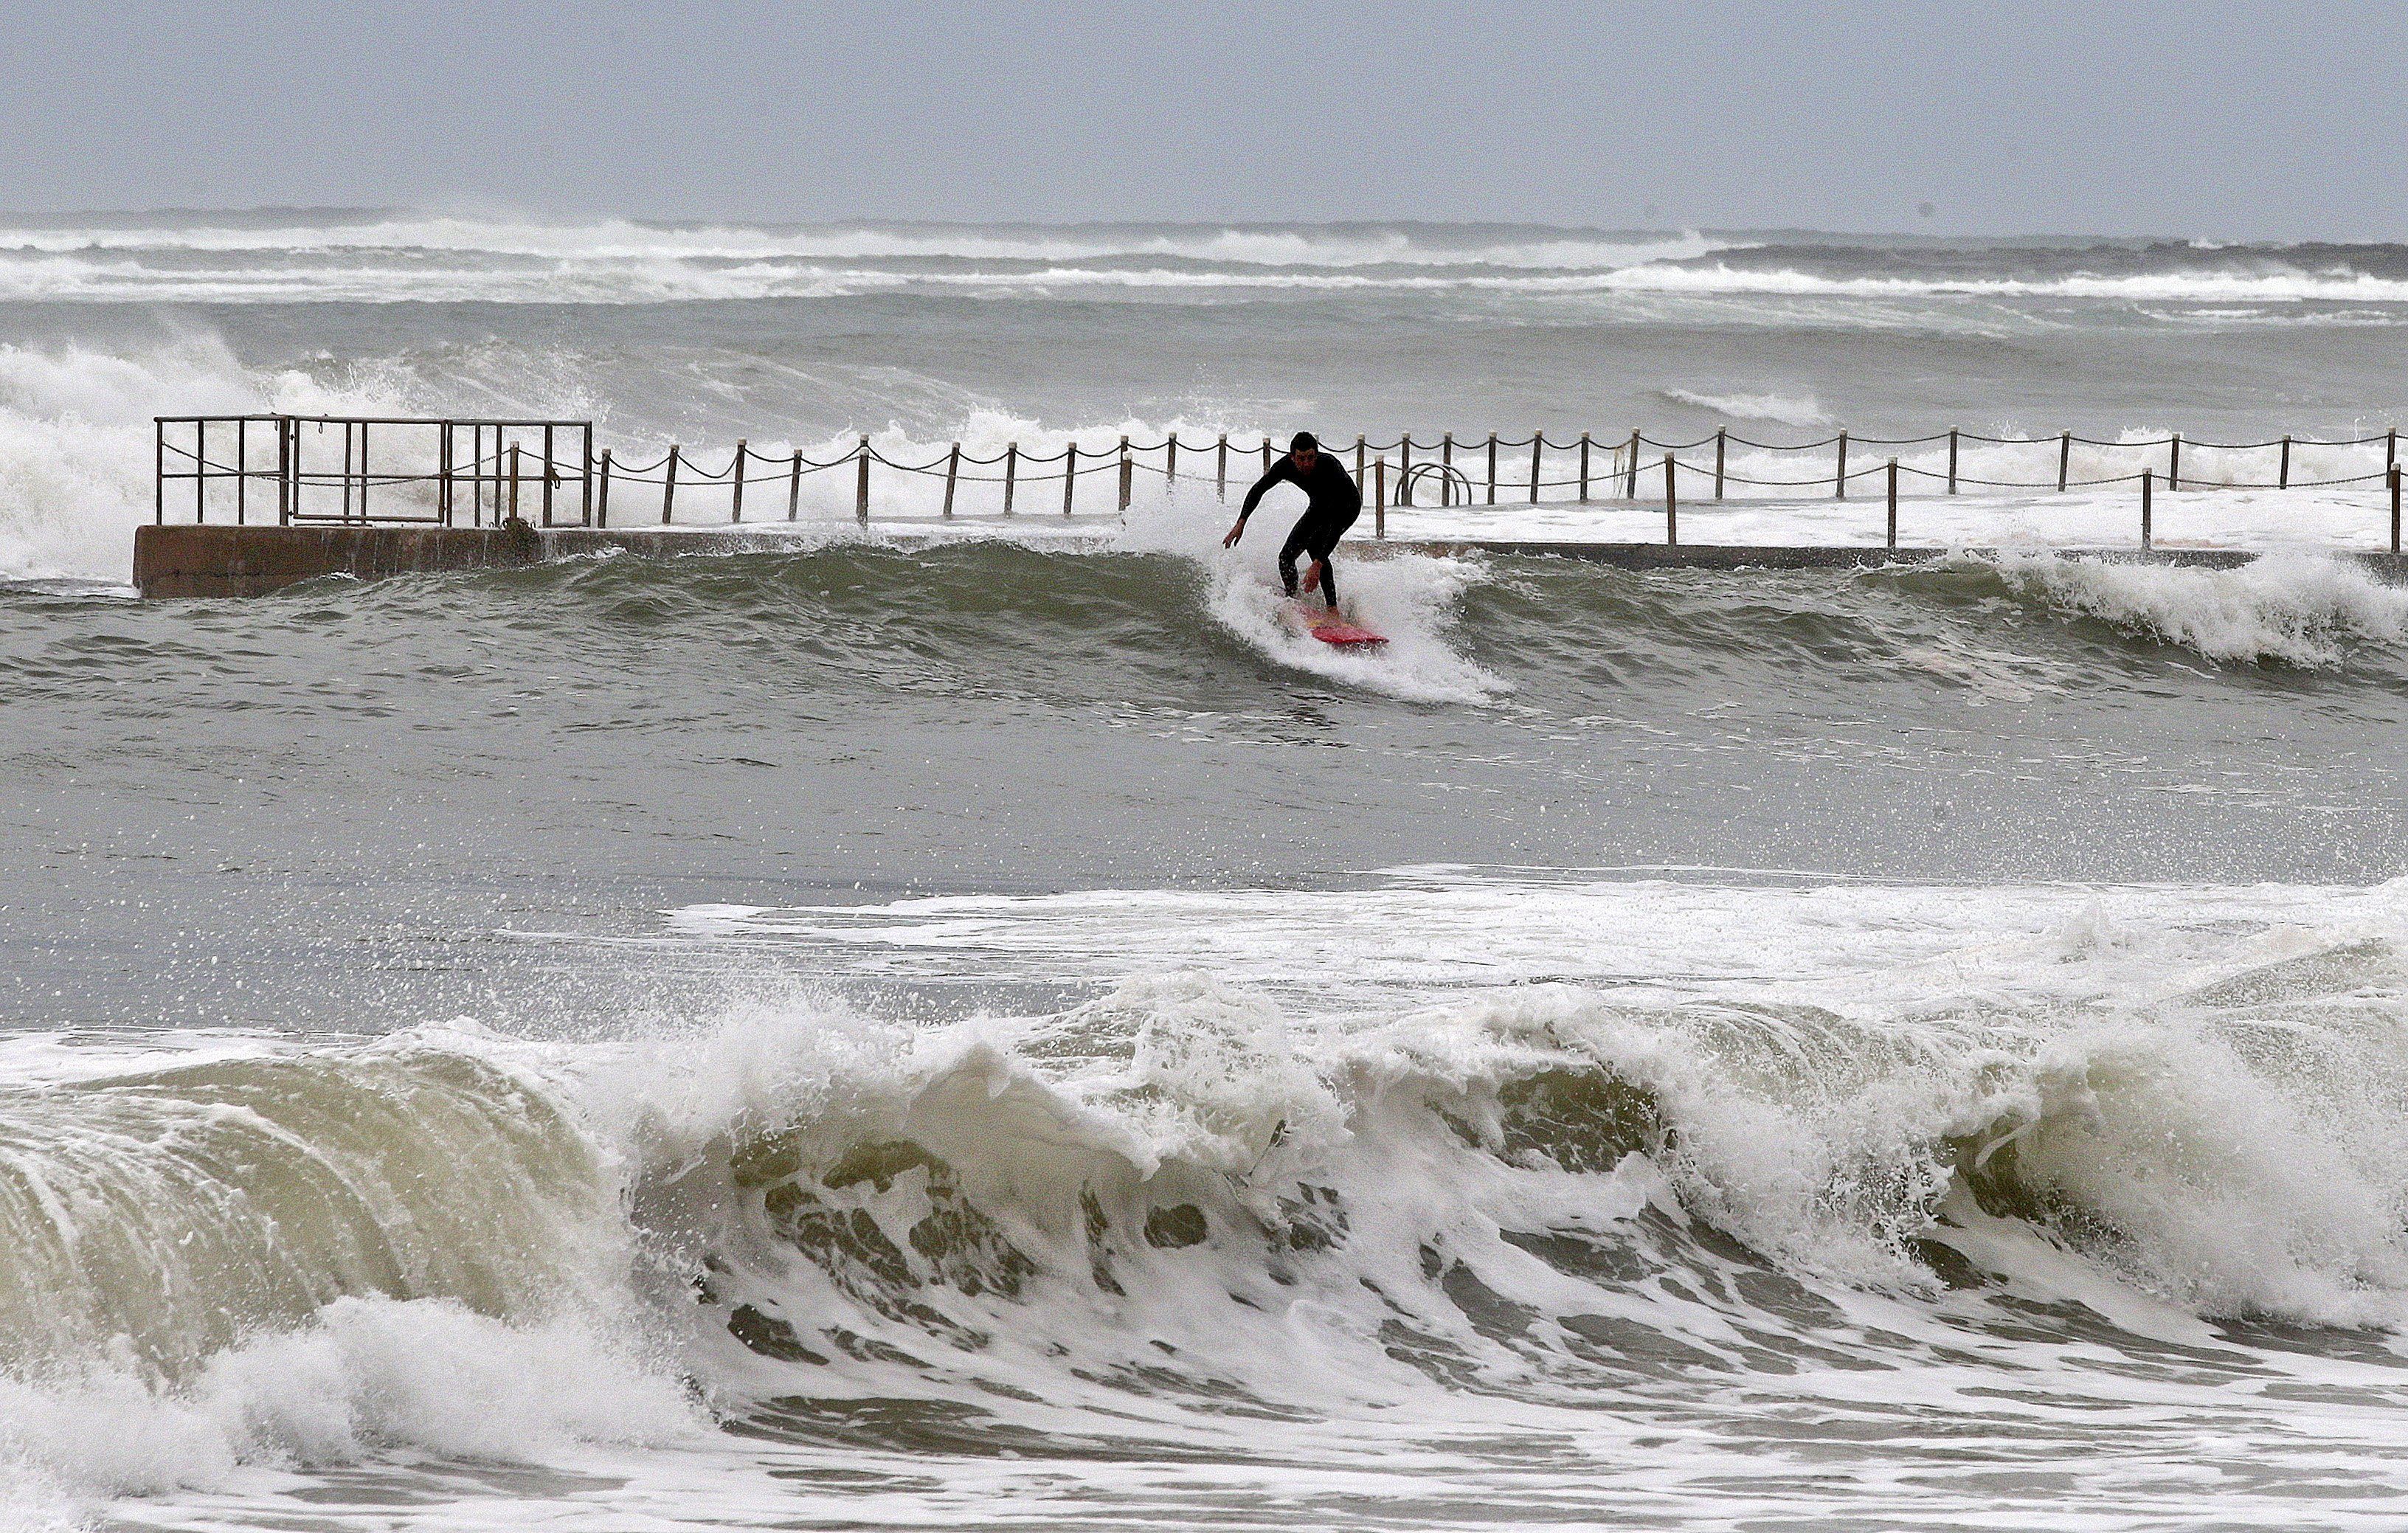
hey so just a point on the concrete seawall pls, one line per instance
(209, 561)
(189, 560)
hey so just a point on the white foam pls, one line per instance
(2202, 287)
(366, 1377)
(1407, 598)
(1818, 1048)
(2296, 609)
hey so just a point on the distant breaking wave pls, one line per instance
(601, 278)
(293, 258)
(1786, 409)
(619, 239)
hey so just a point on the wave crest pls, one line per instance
(2296, 610)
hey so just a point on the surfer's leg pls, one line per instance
(1325, 537)
(1295, 544)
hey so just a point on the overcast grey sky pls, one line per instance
(2220, 120)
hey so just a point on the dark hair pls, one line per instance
(1303, 443)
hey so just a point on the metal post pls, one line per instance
(586, 484)
(1952, 459)
(1538, 445)
(2390, 447)
(1405, 468)
(514, 478)
(1267, 452)
(1010, 473)
(2283, 480)
(1492, 469)
(1071, 473)
(1630, 485)
(2064, 459)
(1359, 460)
(602, 495)
(953, 472)
(442, 470)
(2393, 473)
(547, 475)
(1380, 503)
(1840, 480)
(347, 472)
(159, 472)
(1893, 503)
(1722, 451)
(364, 472)
(288, 488)
(1170, 457)
(861, 485)
(241, 470)
(668, 486)
(794, 486)
(1583, 468)
(1221, 475)
(1671, 508)
(2146, 531)
(735, 482)
(1446, 461)
(1124, 475)
(2173, 461)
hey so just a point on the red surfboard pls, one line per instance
(1330, 628)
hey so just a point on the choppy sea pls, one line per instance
(1010, 1032)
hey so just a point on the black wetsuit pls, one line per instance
(1335, 502)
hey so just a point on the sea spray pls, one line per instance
(77, 449)
(1407, 598)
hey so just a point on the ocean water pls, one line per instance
(1010, 1032)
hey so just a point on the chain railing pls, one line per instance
(450, 472)
(324, 468)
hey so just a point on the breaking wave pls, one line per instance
(382, 257)
(1269, 245)
(1784, 408)
(2292, 609)
(1127, 1216)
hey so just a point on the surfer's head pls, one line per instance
(1302, 447)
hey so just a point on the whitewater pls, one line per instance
(1002, 1027)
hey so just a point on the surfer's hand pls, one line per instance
(1235, 533)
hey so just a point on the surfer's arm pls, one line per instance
(1279, 471)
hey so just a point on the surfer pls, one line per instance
(1334, 503)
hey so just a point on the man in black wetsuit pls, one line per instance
(1335, 504)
